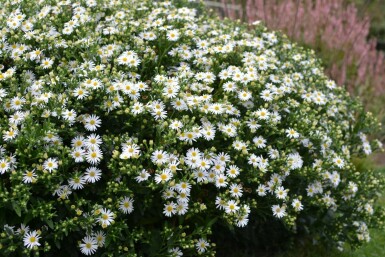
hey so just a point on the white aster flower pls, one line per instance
(31, 239)
(279, 211)
(201, 245)
(89, 245)
(126, 205)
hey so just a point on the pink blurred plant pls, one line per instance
(333, 29)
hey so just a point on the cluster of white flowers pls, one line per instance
(104, 102)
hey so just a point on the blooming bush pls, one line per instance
(132, 127)
(342, 41)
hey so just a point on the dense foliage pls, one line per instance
(135, 127)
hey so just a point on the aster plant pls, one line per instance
(131, 128)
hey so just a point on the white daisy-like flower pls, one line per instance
(130, 150)
(164, 176)
(339, 162)
(100, 237)
(69, 115)
(4, 166)
(261, 190)
(89, 245)
(223, 157)
(31, 239)
(169, 209)
(93, 141)
(183, 187)
(203, 164)
(159, 157)
(126, 205)
(78, 142)
(106, 217)
(129, 58)
(244, 95)
(29, 176)
(259, 141)
(232, 171)
(242, 221)
(231, 206)
(78, 154)
(143, 176)
(137, 108)
(175, 252)
(236, 190)
(67, 30)
(22, 230)
(94, 156)
(17, 118)
(176, 125)
(50, 164)
(279, 211)
(297, 205)
(280, 192)
(173, 35)
(46, 63)
(262, 114)
(201, 245)
(77, 182)
(10, 134)
(221, 181)
(92, 174)
(80, 93)
(273, 153)
(291, 133)
(266, 95)
(92, 122)
(181, 207)
(220, 203)
(201, 175)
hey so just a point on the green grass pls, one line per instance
(375, 248)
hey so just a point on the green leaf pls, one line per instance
(8, 230)
(16, 208)
(211, 222)
(50, 224)
(155, 242)
(2, 217)
(107, 242)
(28, 218)
(57, 243)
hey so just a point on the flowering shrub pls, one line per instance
(132, 127)
(341, 40)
